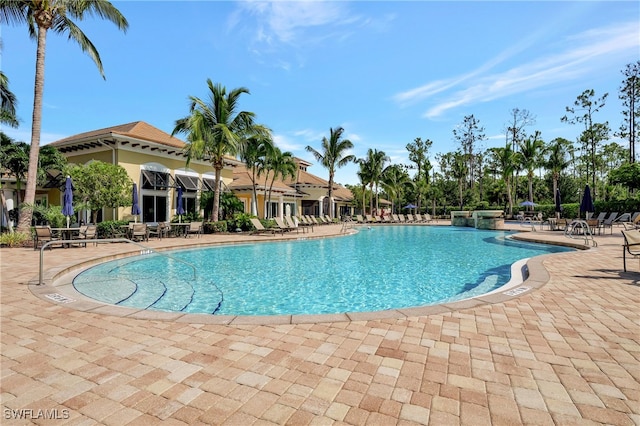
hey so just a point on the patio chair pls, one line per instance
(631, 245)
(259, 228)
(140, 232)
(87, 232)
(42, 235)
(161, 230)
(194, 228)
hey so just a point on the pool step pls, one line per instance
(148, 291)
(177, 297)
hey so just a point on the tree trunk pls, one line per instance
(216, 193)
(36, 125)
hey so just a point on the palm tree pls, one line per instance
(7, 103)
(506, 160)
(394, 181)
(363, 175)
(459, 172)
(254, 153)
(214, 129)
(333, 156)
(40, 17)
(281, 164)
(557, 160)
(530, 150)
(373, 163)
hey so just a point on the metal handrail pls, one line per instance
(584, 227)
(145, 250)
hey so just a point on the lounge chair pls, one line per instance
(395, 218)
(87, 232)
(427, 218)
(292, 225)
(419, 218)
(194, 228)
(42, 235)
(312, 219)
(402, 218)
(608, 222)
(259, 228)
(601, 217)
(631, 245)
(302, 221)
(283, 226)
(633, 224)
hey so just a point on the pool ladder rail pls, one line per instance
(580, 229)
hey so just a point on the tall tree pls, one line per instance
(333, 155)
(7, 103)
(468, 134)
(215, 128)
(363, 176)
(254, 153)
(40, 16)
(459, 171)
(530, 151)
(515, 132)
(395, 180)
(583, 110)
(373, 163)
(279, 164)
(630, 96)
(557, 159)
(419, 155)
(505, 160)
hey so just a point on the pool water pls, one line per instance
(376, 269)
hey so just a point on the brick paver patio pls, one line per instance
(566, 351)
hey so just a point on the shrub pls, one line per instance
(105, 228)
(14, 239)
(242, 221)
(211, 227)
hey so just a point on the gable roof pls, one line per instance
(135, 130)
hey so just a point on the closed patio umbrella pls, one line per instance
(135, 208)
(67, 206)
(179, 207)
(587, 202)
(558, 204)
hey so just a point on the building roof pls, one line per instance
(134, 134)
(242, 180)
(135, 130)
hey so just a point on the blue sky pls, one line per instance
(386, 71)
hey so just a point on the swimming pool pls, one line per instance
(381, 268)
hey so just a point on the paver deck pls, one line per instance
(566, 351)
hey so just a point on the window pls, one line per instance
(188, 183)
(157, 180)
(154, 208)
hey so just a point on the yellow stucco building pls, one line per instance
(156, 162)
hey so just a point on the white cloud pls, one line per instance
(580, 55)
(286, 21)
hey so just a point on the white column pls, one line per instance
(281, 206)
